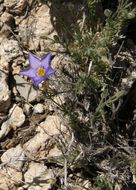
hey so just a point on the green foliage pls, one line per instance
(90, 97)
(84, 81)
(105, 101)
(102, 183)
(91, 44)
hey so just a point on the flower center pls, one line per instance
(40, 71)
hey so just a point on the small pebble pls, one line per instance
(39, 108)
(27, 109)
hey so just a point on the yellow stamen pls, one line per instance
(40, 71)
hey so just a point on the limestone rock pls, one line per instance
(38, 176)
(5, 99)
(13, 157)
(51, 127)
(10, 50)
(38, 108)
(7, 22)
(38, 29)
(7, 19)
(44, 186)
(34, 146)
(36, 170)
(9, 177)
(16, 118)
(25, 89)
(15, 6)
(59, 99)
(43, 24)
(27, 109)
(54, 152)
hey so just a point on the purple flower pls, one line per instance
(39, 69)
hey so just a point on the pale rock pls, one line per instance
(50, 128)
(25, 89)
(52, 125)
(118, 186)
(7, 18)
(14, 175)
(127, 83)
(51, 106)
(5, 99)
(3, 179)
(38, 176)
(15, 6)
(87, 184)
(43, 22)
(16, 66)
(35, 170)
(34, 44)
(38, 29)
(6, 24)
(133, 74)
(54, 152)
(5, 129)
(78, 186)
(41, 187)
(5, 182)
(57, 60)
(59, 99)
(9, 177)
(13, 157)
(27, 109)
(35, 145)
(19, 60)
(10, 50)
(38, 108)
(4, 66)
(124, 80)
(16, 118)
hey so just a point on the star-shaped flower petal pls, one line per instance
(39, 68)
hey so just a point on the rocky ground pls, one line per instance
(31, 130)
(34, 137)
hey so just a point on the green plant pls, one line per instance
(84, 81)
(93, 45)
(102, 183)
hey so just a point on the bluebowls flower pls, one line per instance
(39, 68)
